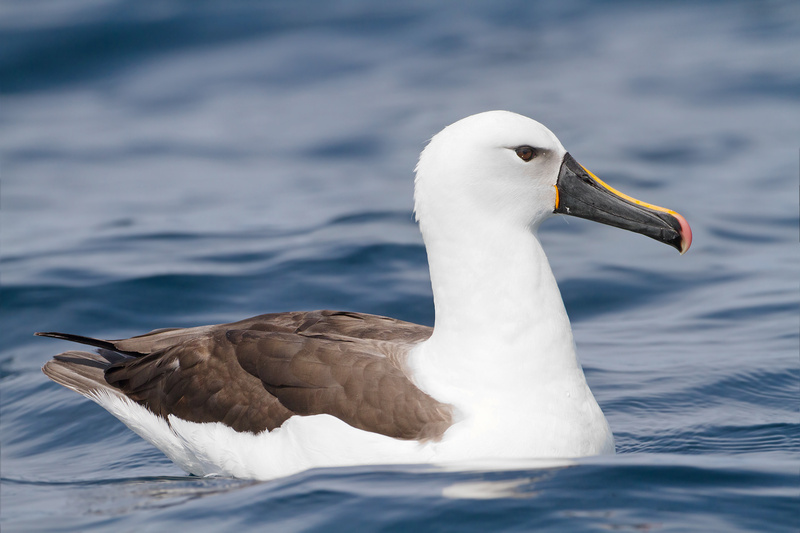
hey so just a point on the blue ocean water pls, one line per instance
(180, 163)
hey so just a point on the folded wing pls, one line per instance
(254, 374)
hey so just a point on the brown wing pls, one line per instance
(320, 375)
(334, 324)
(254, 374)
(199, 380)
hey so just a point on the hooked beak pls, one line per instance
(582, 194)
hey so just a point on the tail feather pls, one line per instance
(83, 372)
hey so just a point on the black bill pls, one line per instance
(582, 194)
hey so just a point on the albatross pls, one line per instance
(497, 377)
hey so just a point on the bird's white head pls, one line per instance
(497, 171)
(496, 165)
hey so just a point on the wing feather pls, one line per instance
(256, 373)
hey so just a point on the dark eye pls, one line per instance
(526, 153)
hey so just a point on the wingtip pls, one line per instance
(51, 334)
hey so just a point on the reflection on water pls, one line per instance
(487, 490)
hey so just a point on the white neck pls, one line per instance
(500, 320)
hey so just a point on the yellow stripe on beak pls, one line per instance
(623, 195)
